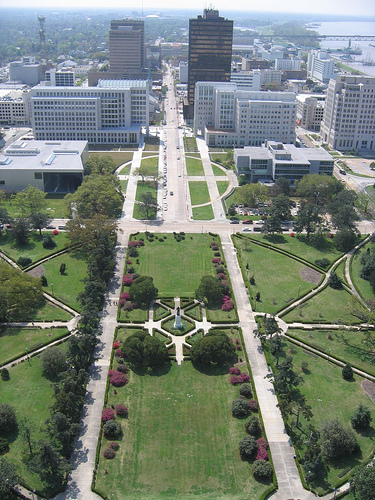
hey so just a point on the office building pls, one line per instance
(60, 78)
(349, 114)
(127, 47)
(112, 113)
(249, 80)
(227, 116)
(210, 52)
(14, 108)
(183, 71)
(320, 66)
(274, 160)
(56, 167)
(293, 64)
(27, 71)
(310, 110)
(270, 77)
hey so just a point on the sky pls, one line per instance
(340, 7)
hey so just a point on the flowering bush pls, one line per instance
(119, 354)
(117, 379)
(253, 404)
(122, 369)
(107, 414)
(221, 276)
(114, 446)
(262, 454)
(244, 377)
(237, 342)
(55, 232)
(116, 344)
(109, 453)
(225, 298)
(127, 279)
(234, 370)
(216, 260)
(331, 235)
(121, 410)
(292, 235)
(125, 296)
(128, 262)
(227, 306)
(214, 246)
(136, 243)
(234, 379)
(262, 443)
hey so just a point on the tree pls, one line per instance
(98, 194)
(100, 164)
(282, 186)
(276, 347)
(62, 268)
(112, 429)
(215, 348)
(5, 218)
(209, 290)
(334, 281)
(8, 419)
(251, 194)
(240, 408)
(361, 418)
(30, 201)
(9, 478)
(91, 233)
(312, 460)
(80, 350)
(337, 441)
(53, 361)
(143, 290)
(248, 446)
(347, 372)
(21, 228)
(245, 390)
(318, 189)
(39, 220)
(143, 171)
(362, 484)
(62, 432)
(148, 204)
(272, 225)
(308, 218)
(252, 426)
(49, 464)
(26, 428)
(232, 210)
(48, 241)
(345, 239)
(143, 350)
(262, 469)
(281, 207)
(343, 213)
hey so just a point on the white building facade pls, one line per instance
(349, 115)
(310, 111)
(14, 108)
(249, 80)
(112, 113)
(320, 66)
(227, 116)
(292, 64)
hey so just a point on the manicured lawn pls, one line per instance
(14, 341)
(301, 247)
(143, 187)
(203, 213)
(180, 440)
(124, 185)
(67, 286)
(328, 306)
(194, 312)
(31, 396)
(151, 143)
(160, 312)
(340, 271)
(119, 157)
(218, 171)
(350, 346)
(217, 315)
(194, 166)
(190, 144)
(222, 186)
(55, 206)
(199, 192)
(51, 312)
(363, 286)
(277, 276)
(176, 266)
(152, 163)
(330, 396)
(125, 170)
(139, 314)
(33, 249)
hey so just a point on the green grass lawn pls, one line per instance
(328, 306)
(363, 286)
(330, 396)
(218, 171)
(50, 312)
(180, 440)
(199, 192)
(119, 157)
(33, 249)
(194, 166)
(217, 315)
(350, 346)
(14, 341)
(152, 163)
(66, 286)
(124, 185)
(125, 170)
(31, 396)
(139, 314)
(55, 206)
(143, 187)
(151, 143)
(168, 261)
(203, 213)
(190, 144)
(277, 276)
(301, 247)
(340, 271)
(222, 186)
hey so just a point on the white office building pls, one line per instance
(310, 111)
(111, 113)
(249, 80)
(183, 71)
(60, 78)
(274, 160)
(270, 77)
(14, 108)
(227, 116)
(292, 64)
(349, 115)
(320, 66)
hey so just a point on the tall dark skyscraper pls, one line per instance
(210, 51)
(127, 47)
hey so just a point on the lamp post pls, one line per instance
(335, 490)
(299, 290)
(52, 288)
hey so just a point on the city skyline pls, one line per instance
(364, 8)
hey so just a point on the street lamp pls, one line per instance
(299, 290)
(51, 287)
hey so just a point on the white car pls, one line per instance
(259, 222)
(246, 229)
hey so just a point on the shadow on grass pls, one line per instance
(157, 371)
(275, 238)
(215, 369)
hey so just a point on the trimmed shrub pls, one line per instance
(117, 379)
(240, 408)
(361, 418)
(262, 443)
(8, 419)
(107, 414)
(234, 370)
(48, 241)
(127, 280)
(248, 447)
(253, 405)
(262, 454)
(5, 374)
(114, 445)
(121, 410)
(122, 368)
(24, 261)
(262, 469)
(347, 372)
(227, 306)
(112, 429)
(43, 280)
(252, 425)
(116, 344)
(109, 453)
(245, 390)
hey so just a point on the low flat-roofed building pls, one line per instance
(274, 160)
(51, 166)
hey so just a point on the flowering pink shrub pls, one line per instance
(244, 377)
(127, 279)
(125, 296)
(225, 298)
(216, 260)
(109, 453)
(262, 443)
(238, 347)
(107, 414)
(128, 261)
(214, 246)
(114, 446)
(227, 306)
(119, 354)
(234, 380)
(117, 379)
(262, 454)
(121, 411)
(237, 342)
(292, 235)
(136, 243)
(234, 370)
(222, 276)
(253, 405)
(55, 232)
(116, 344)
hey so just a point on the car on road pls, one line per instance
(234, 221)
(247, 221)
(246, 229)
(171, 193)
(257, 229)
(259, 222)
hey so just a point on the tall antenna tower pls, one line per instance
(42, 33)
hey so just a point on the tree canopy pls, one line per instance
(143, 290)
(30, 201)
(90, 232)
(209, 289)
(319, 189)
(100, 164)
(251, 194)
(337, 441)
(148, 204)
(362, 483)
(215, 348)
(143, 350)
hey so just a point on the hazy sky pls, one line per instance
(341, 7)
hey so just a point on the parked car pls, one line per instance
(257, 229)
(234, 221)
(247, 221)
(246, 229)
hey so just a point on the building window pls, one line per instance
(38, 175)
